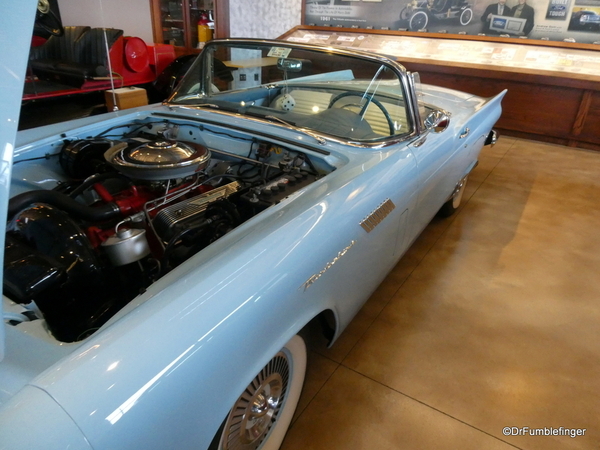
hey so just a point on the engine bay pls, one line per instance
(129, 204)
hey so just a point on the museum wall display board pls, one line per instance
(555, 20)
(553, 88)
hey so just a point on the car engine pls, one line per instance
(131, 208)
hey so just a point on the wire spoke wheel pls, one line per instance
(261, 415)
(259, 406)
(466, 16)
(405, 13)
(418, 21)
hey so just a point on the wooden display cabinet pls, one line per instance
(175, 22)
(553, 87)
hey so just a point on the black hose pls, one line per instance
(65, 203)
(90, 181)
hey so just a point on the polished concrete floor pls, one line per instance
(491, 320)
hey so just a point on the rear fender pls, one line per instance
(478, 131)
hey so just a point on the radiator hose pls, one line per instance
(64, 202)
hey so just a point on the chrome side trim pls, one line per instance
(376, 217)
(420, 141)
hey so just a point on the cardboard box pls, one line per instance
(127, 97)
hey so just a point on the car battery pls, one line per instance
(126, 97)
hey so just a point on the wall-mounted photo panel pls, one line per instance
(555, 20)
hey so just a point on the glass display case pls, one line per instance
(188, 24)
(553, 87)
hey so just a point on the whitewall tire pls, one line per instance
(261, 416)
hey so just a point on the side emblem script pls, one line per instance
(377, 216)
(308, 283)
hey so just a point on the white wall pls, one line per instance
(267, 19)
(131, 16)
(248, 18)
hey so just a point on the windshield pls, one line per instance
(351, 97)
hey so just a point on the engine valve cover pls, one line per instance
(170, 219)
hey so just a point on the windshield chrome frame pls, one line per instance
(407, 86)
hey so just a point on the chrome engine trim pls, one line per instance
(169, 217)
(158, 160)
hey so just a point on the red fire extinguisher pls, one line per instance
(205, 33)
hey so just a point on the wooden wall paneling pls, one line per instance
(584, 107)
(221, 18)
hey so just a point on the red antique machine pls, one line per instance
(79, 59)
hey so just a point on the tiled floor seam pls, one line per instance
(430, 407)
(294, 420)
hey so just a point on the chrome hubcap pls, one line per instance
(255, 412)
(261, 409)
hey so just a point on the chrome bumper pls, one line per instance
(492, 138)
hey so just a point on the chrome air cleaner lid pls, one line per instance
(157, 160)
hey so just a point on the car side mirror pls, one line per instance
(437, 121)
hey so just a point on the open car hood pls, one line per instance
(12, 78)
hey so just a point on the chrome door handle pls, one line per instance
(464, 134)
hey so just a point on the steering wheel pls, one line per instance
(48, 19)
(364, 107)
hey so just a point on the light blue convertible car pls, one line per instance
(160, 262)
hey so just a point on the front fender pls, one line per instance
(45, 426)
